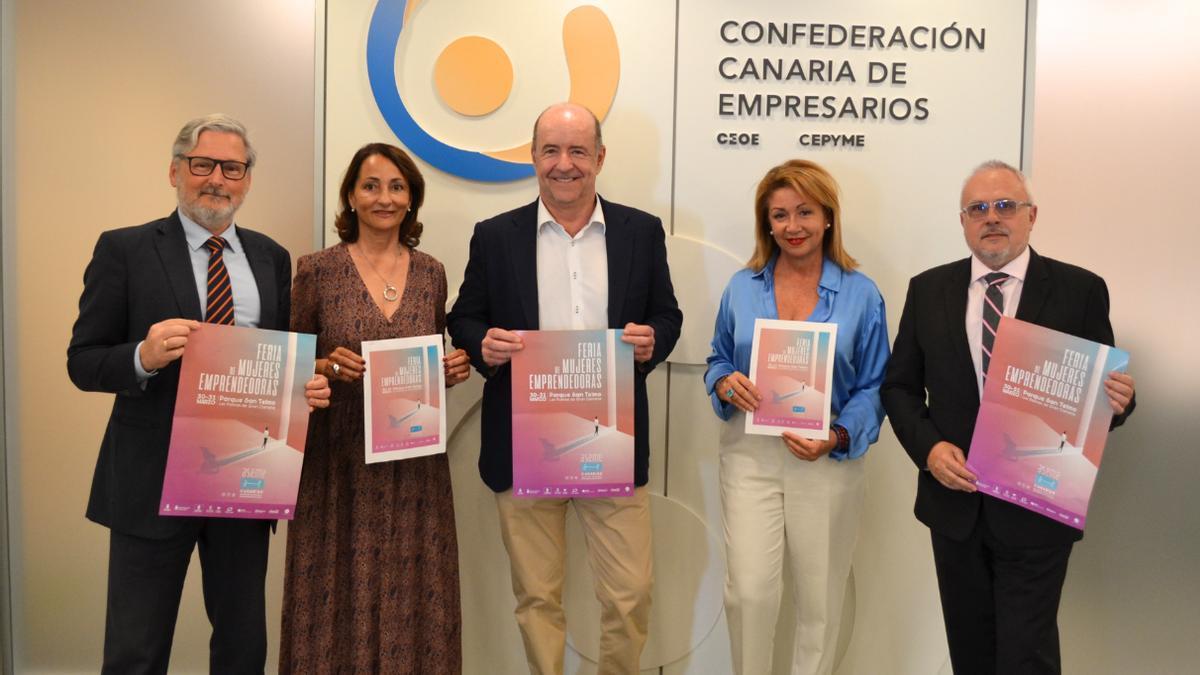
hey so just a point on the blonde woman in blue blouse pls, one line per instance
(789, 497)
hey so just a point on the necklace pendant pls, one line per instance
(390, 293)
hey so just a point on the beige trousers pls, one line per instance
(775, 503)
(617, 532)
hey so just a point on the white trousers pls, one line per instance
(773, 501)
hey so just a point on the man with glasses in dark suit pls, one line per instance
(1000, 567)
(145, 290)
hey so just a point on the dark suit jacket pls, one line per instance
(931, 357)
(139, 276)
(499, 289)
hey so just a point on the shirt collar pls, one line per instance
(831, 274)
(196, 235)
(597, 219)
(1016, 268)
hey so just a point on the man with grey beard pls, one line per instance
(145, 290)
(1000, 568)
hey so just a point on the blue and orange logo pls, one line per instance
(473, 76)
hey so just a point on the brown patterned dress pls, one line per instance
(371, 584)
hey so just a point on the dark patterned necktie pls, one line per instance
(993, 309)
(220, 292)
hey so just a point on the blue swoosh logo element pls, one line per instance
(382, 37)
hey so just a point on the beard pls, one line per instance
(212, 219)
(996, 258)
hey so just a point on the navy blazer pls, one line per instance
(499, 289)
(931, 358)
(137, 277)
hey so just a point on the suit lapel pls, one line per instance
(523, 253)
(1035, 289)
(618, 245)
(177, 265)
(956, 318)
(264, 277)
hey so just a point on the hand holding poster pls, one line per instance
(791, 363)
(1043, 420)
(404, 395)
(241, 421)
(572, 406)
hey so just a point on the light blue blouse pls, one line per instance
(849, 299)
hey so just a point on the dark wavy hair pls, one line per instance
(346, 221)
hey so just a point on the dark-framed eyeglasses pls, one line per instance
(204, 166)
(1004, 208)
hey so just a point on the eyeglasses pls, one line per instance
(1005, 208)
(204, 166)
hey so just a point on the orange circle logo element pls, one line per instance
(473, 76)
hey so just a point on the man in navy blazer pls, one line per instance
(144, 293)
(1000, 567)
(569, 260)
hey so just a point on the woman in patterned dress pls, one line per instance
(371, 584)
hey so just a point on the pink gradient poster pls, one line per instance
(241, 420)
(1043, 420)
(791, 363)
(403, 398)
(572, 407)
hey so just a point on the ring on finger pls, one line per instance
(729, 393)
(337, 369)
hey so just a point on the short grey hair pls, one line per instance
(189, 135)
(1000, 165)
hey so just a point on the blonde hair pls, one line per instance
(810, 179)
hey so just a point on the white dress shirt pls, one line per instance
(572, 273)
(1010, 289)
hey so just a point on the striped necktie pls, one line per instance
(220, 293)
(993, 309)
